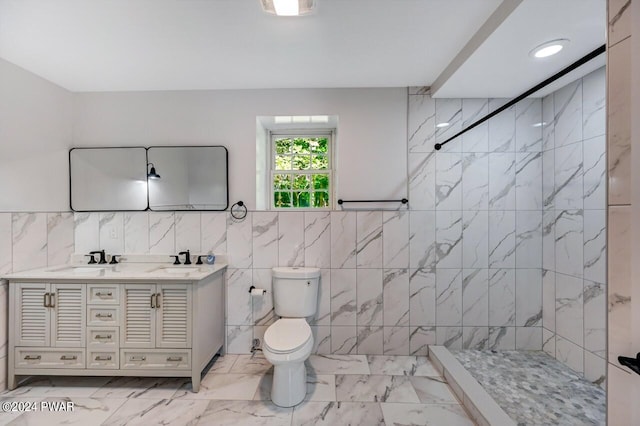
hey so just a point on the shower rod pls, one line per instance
(597, 52)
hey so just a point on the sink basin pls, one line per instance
(179, 270)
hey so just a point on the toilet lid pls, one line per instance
(287, 335)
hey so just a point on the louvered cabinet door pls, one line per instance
(69, 315)
(138, 321)
(32, 316)
(173, 316)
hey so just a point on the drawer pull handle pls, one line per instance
(153, 300)
(52, 300)
(33, 358)
(174, 358)
(107, 294)
(107, 337)
(103, 358)
(68, 358)
(138, 358)
(99, 315)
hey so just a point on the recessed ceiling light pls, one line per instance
(549, 48)
(287, 7)
(441, 125)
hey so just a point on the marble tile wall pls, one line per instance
(574, 225)
(622, 383)
(476, 222)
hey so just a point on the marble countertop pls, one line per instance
(122, 272)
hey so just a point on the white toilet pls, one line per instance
(288, 342)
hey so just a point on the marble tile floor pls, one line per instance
(342, 390)
(535, 389)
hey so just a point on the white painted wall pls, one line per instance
(371, 153)
(36, 120)
(635, 203)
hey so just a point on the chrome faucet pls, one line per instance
(187, 257)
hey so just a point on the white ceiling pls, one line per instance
(115, 45)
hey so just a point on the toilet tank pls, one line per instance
(295, 291)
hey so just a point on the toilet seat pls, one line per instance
(287, 335)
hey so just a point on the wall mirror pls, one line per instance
(189, 178)
(108, 179)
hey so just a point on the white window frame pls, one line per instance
(330, 135)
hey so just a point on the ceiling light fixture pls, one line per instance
(441, 125)
(549, 48)
(288, 7)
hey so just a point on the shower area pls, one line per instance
(518, 250)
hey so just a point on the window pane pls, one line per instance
(301, 199)
(321, 199)
(323, 145)
(320, 162)
(321, 181)
(281, 182)
(282, 199)
(301, 146)
(300, 182)
(283, 162)
(300, 162)
(283, 146)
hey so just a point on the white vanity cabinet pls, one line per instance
(103, 327)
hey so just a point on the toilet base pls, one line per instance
(289, 384)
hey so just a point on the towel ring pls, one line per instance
(238, 210)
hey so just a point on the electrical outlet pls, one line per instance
(113, 234)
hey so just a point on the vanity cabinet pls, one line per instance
(167, 328)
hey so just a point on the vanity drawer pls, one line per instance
(102, 315)
(98, 294)
(155, 359)
(49, 358)
(103, 359)
(103, 338)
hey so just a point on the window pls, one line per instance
(301, 171)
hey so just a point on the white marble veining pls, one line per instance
(395, 241)
(420, 338)
(475, 297)
(317, 239)
(448, 239)
(502, 128)
(448, 111)
(291, 239)
(568, 112)
(422, 297)
(502, 239)
(528, 191)
(344, 340)
(594, 119)
(475, 181)
(262, 307)
(594, 298)
(595, 224)
(568, 177)
(570, 354)
(448, 297)
(265, 239)
(239, 303)
(422, 115)
(369, 297)
(86, 232)
(396, 297)
(528, 297)
(475, 248)
(396, 340)
(188, 231)
(619, 20)
(569, 309)
(549, 300)
(502, 338)
(448, 181)
(528, 239)
(595, 170)
(29, 238)
(422, 189)
(214, 232)
(60, 240)
(502, 181)
(502, 294)
(569, 225)
(343, 296)
(528, 128)
(161, 232)
(240, 242)
(548, 123)
(136, 232)
(422, 239)
(369, 239)
(477, 139)
(370, 339)
(451, 337)
(343, 239)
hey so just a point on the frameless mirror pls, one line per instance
(190, 178)
(108, 179)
